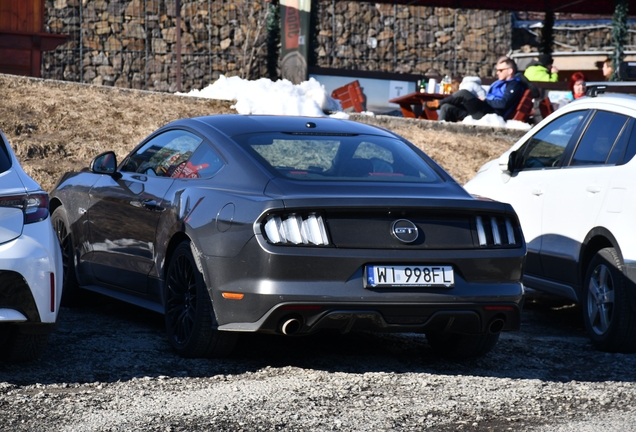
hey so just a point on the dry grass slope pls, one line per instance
(56, 127)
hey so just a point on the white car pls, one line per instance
(572, 181)
(31, 270)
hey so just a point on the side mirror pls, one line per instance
(512, 161)
(105, 163)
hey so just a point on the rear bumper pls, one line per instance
(325, 288)
(298, 319)
(31, 275)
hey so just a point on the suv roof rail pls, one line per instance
(595, 88)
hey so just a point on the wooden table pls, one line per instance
(411, 103)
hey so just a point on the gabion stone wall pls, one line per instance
(133, 43)
(411, 39)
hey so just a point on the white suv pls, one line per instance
(31, 269)
(572, 181)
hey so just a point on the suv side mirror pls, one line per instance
(507, 163)
(512, 161)
(105, 163)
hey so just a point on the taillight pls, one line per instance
(296, 229)
(34, 206)
(495, 231)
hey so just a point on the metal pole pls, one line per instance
(395, 40)
(178, 12)
(455, 42)
(333, 32)
(81, 44)
(148, 40)
(210, 58)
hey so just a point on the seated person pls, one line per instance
(502, 97)
(577, 85)
(473, 85)
(542, 70)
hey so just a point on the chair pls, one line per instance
(524, 108)
(350, 95)
(545, 107)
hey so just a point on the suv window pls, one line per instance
(547, 146)
(599, 139)
(629, 134)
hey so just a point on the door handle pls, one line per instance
(150, 204)
(537, 192)
(593, 189)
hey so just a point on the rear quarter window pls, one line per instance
(5, 160)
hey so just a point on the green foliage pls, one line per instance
(619, 35)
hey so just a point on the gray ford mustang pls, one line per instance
(289, 225)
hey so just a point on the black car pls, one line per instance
(289, 225)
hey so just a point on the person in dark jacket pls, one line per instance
(502, 97)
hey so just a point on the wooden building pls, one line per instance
(22, 37)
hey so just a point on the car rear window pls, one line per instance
(338, 157)
(5, 160)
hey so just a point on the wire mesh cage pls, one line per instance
(411, 39)
(133, 44)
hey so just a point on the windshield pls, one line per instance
(338, 157)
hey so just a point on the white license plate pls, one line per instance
(415, 276)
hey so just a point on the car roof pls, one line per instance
(235, 124)
(613, 102)
(624, 100)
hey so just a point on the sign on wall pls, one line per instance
(295, 16)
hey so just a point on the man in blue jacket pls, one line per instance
(502, 97)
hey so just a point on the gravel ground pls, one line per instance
(109, 367)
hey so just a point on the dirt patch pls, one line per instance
(56, 126)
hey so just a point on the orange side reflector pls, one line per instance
(232, 296)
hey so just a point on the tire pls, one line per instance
(462, 346)
(609, 319)
(71, 295)
(18, 347)
(190, 321)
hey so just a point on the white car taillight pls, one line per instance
(34, 206)
(296, 229)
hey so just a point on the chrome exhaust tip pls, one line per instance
(290, 326)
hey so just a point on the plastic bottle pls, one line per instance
(422, 88)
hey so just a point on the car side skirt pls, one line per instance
(550, 287)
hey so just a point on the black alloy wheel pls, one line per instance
(190, 321)
(609, 320)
